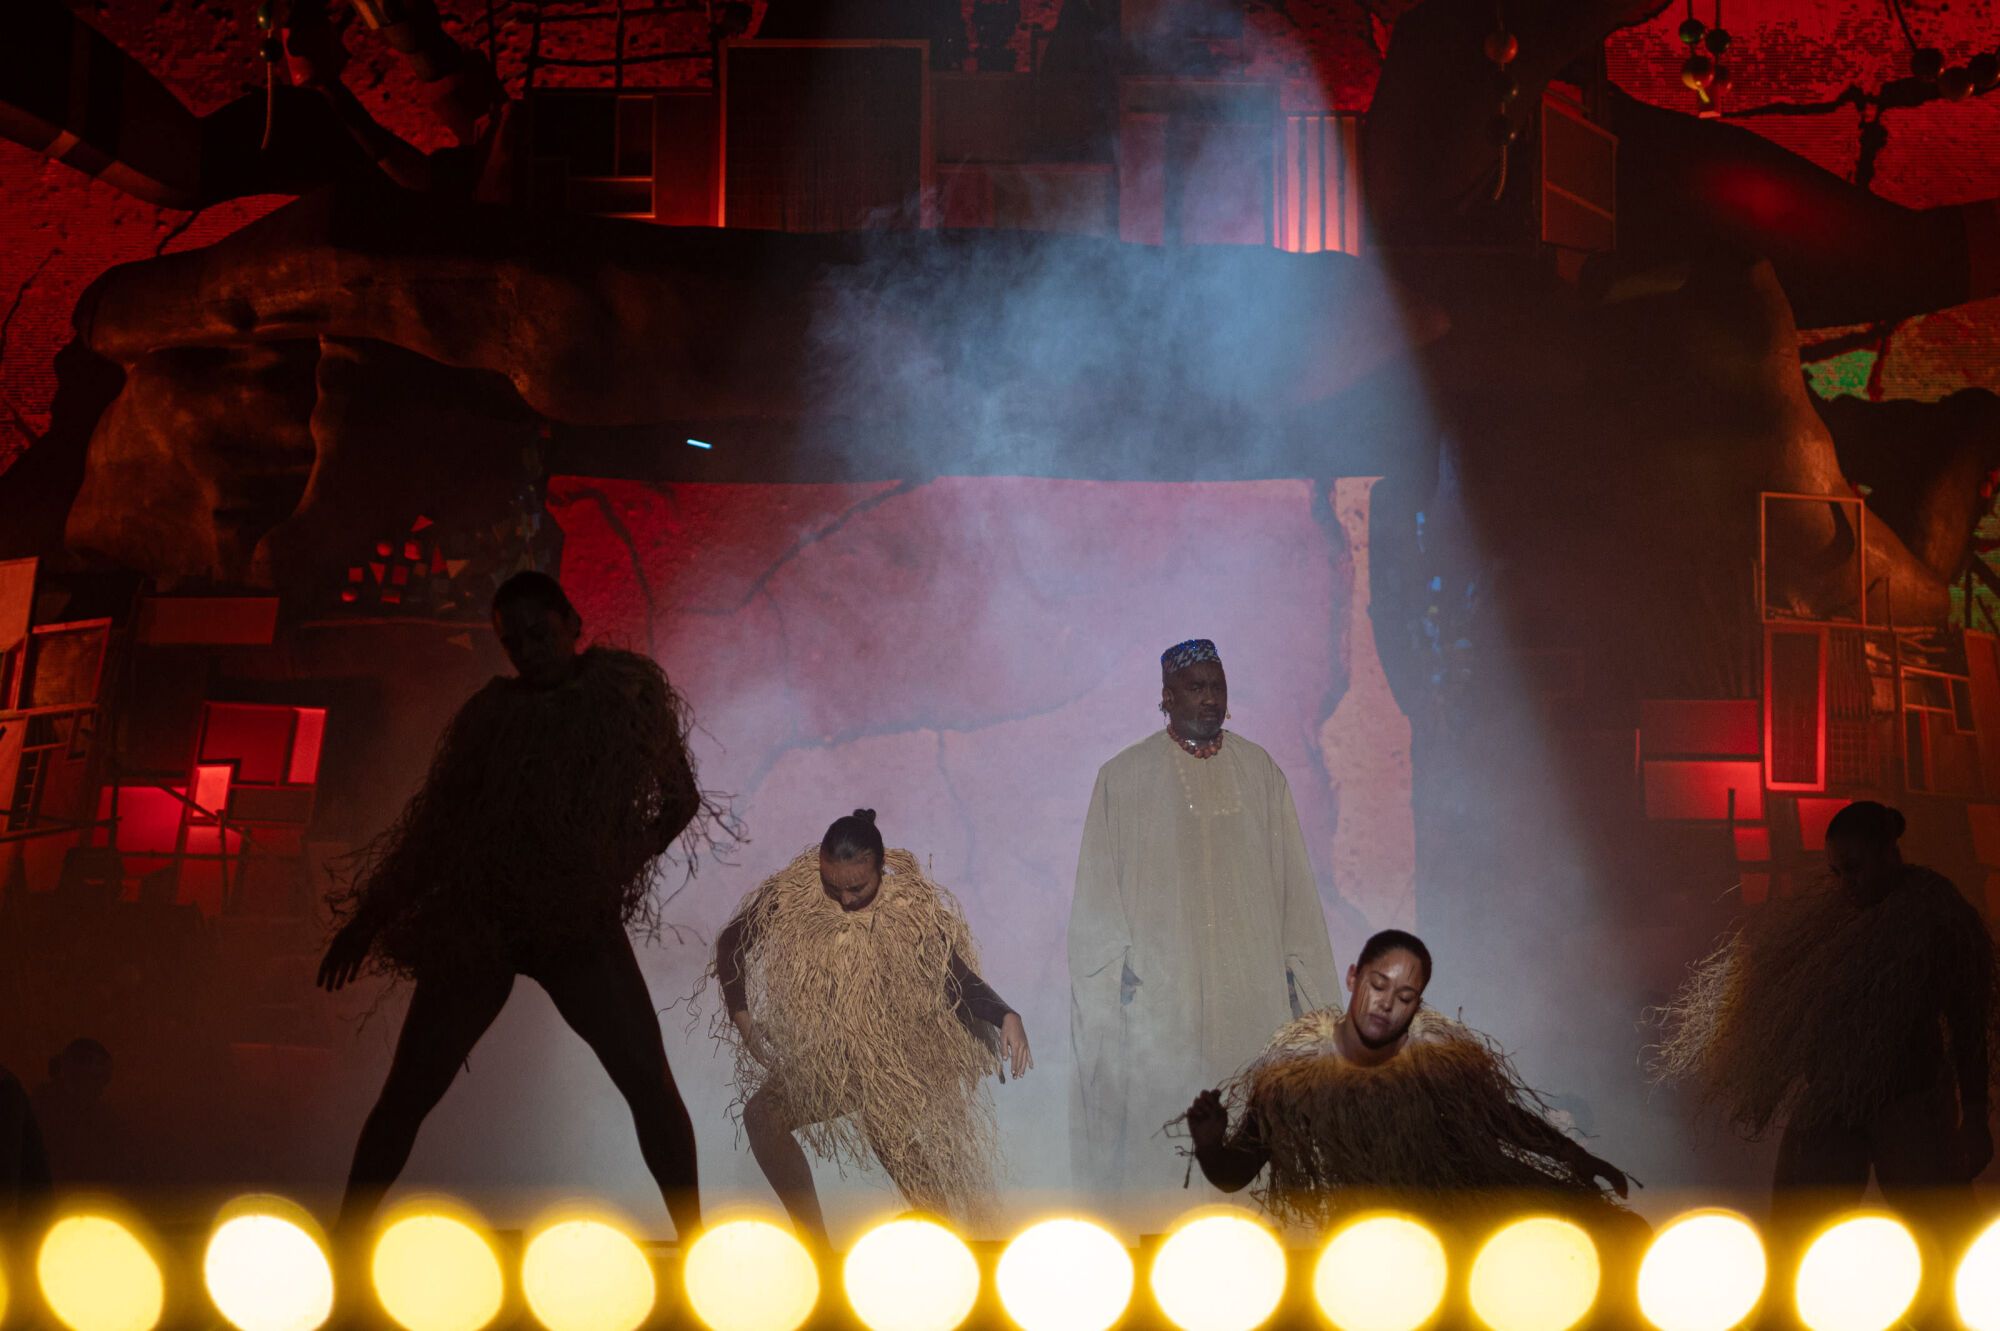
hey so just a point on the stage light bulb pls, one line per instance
(265, 1272)
(911, 1275)
(97, 1276)
(1977, 1286)
(587, 1275)
(1219, 1272)
(1065, 1275)
(1704, 1272)
(1381, 1273)
(1539, 1274)
(750, 1275)
(435, 1272)
(1860, 1275)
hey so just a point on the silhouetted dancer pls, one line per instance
(1858, 1016)
(529, 851)
(25, 1186)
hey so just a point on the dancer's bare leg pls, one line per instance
(602, 994)
(769, 1126)
(444, 1022)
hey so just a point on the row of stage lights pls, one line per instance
(435, 1268)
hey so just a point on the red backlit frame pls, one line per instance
(1819, 634)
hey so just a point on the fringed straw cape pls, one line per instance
(1446, 1128)
(1822, 1009)
(870, 1057)
(538, 823)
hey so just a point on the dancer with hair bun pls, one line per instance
(861, 1025)
(1857, 1017)
(1389, 1103)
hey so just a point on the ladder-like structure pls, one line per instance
(625, 18)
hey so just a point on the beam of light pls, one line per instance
(1539, 1274)
(1860, 1275)
(1977, 1285)
(1381, 1273)
(1065, 1275)
(697, 443)
(750, 1275)
(587, 1275)
(1704, 1272)
(911, 1275)
(97, 1276)
(435, 1272)
(1219, 1272)
(265, 1271)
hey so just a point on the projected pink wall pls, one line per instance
(961, 655)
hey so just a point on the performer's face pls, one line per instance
(1868, 869)
(851, 883)
(539, 641)
(1383, 997)
(1196, 699)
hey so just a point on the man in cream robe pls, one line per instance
(1195, 931)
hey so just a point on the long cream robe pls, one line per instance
(1195, 904)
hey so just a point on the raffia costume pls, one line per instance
(1195, 928)
(1823, 1009)
(537, 826)
(880, 1030)
(1446, 1128)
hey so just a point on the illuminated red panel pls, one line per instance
(257, 739)
(207, 840)
(149, 819)
(1753, 844)
(211, 790)
(1707, 727)
(1814, 815)
(1985, 819)
(1756, 888)
(306, 741)
(1699, 790)
(1795, 708)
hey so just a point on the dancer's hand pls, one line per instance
(1014, 1045)
(753, 1038)
(1208, 1121)
(1611, 1174)
(345, 955)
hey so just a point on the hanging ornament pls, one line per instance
(1722, 82)
(1698, 73)
(1501, 47)
(1717, 41)
(1692, 29)
(1955, 84)
(1927, 64)
(1985, 71)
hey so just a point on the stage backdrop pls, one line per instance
(959, 655)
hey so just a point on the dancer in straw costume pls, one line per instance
(1390, 1103)
(861, 1025)
(529, 851)
(1858, 1017)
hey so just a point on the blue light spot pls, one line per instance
(696, 443)
(1437, 584)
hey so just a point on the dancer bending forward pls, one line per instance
(861, 1025)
